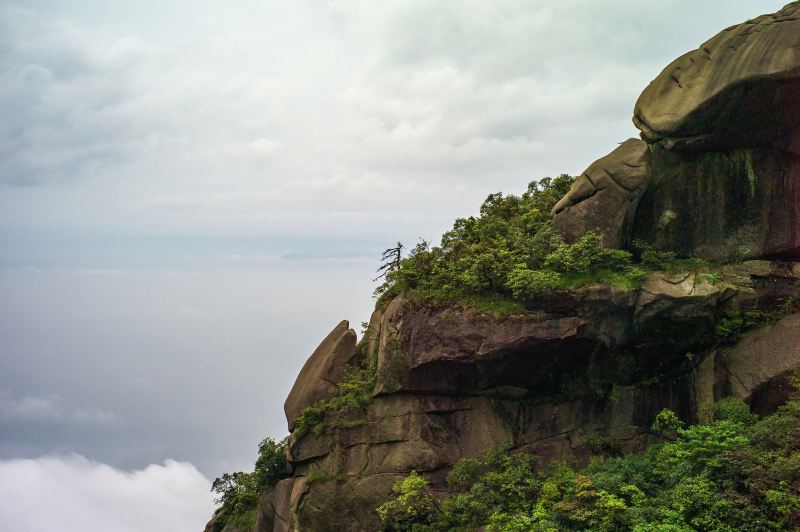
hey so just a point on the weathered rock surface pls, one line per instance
(594, 363)
(604, 197)
(734, 204)
(765, 358)
(724, 121)
(741, 88)
(695, 295)
(322, 370)
(719, 176)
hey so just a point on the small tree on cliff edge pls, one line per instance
(390, 261)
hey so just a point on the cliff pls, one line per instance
(715, 178)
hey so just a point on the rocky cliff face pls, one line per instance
(716, 174)
(591, 366)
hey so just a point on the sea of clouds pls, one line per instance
(74, 494)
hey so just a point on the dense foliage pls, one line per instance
(413, 506)
(238, 493)
(511, 252)
(732, 473)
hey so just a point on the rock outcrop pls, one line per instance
(724, 205)
(741, 88)
(605, 196)
(593, 365)
(761, 363)
(322, 371)
(716, 175)
(722, 127)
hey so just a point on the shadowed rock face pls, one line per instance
(741, 203)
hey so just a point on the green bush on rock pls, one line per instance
(412, 509)
(477, 256)
(238, 493)
(512, 252)
(733, 473)
(355, 391)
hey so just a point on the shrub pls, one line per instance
(238, 493)
(412, 509)
(271, 464)
(525, 283)
(587, 255)
(667, 421)
(355, 391)
(653, 258)
(732, 409)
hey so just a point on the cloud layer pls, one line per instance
(73, 494)
(51, 408)
(265, 119)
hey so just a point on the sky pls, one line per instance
(192, 195)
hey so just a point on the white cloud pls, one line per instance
(31, 408)
(129, 114)
(71, 107)
(50, 408)
(73, 494)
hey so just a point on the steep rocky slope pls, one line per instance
(594, 363)
(716, 175)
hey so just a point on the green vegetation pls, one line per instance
(732, 473)
(322, 475)
(668, 261)
(476, 257)
(413, 507)
(355, 391)
(730, 328)
(510, 254)
(239, 492)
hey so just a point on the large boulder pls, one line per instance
(692, 296)
(720, 175)
(323, 370)
(724, 125)
(604, 198)
(740, 88)
(762, 361)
